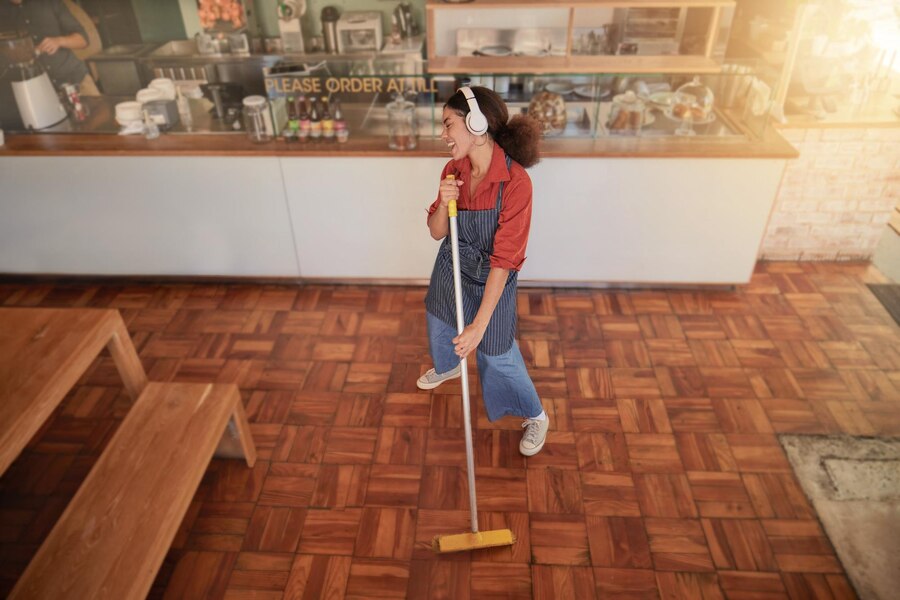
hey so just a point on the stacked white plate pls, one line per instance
(128, 113)
(149, 95)
(164, 85)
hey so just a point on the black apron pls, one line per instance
(476, 230)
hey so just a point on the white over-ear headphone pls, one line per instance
(476, 122)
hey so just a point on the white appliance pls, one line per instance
(289, 13)
(36, 98)
(359, 31)
(39, 106)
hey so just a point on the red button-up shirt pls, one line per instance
(515, 213)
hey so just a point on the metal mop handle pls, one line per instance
(464, 372)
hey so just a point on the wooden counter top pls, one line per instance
(773, 146)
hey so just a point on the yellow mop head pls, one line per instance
(473, 541)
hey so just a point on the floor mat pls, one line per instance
(854, 485)
(889, 296)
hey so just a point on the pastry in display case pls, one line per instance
(548, 109)
(692, 104)
(626, 116)
(696, 98)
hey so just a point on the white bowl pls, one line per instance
(128, 122)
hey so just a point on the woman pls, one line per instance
(494, 199)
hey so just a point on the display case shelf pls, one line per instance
(432, 4)
(516, 65)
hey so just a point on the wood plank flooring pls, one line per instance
(662, 476)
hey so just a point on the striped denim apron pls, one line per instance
(476, 244)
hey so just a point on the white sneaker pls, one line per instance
(534, 437)
(431, 380)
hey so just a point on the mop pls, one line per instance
(476, 539)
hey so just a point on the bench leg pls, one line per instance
(127, 361)
(237, 441)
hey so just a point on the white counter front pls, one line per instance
(595, 220)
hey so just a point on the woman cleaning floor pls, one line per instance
(489, 156)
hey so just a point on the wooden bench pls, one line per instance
(43, 353)
(114, 534)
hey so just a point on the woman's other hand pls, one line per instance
(468, 340)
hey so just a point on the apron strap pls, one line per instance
(500, 192)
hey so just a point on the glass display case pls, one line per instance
(731, 105)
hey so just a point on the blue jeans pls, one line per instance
(505, 385)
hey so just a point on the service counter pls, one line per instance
(606, 211)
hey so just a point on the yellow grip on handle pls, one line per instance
(451, 206)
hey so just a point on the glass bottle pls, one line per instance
(76, 106)
(293, 123)
(327, 121)
(340, 125)
(151, 129)
(315, 123)
(303, 120)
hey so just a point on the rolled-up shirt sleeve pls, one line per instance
(67, 21)
(511, 237)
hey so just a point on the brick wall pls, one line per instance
(837, 196)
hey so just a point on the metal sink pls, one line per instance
(176, 48)
(123, 52)
(126, 50)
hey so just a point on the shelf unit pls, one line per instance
(569, 63)
(520, 65)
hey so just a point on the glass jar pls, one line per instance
(257, 119)
(698, 98)
(403, 130)
(626, 115)
(692, 105)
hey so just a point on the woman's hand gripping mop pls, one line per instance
(476, 539)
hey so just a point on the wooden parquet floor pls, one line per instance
(662, 476)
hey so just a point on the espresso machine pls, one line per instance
(36, 98)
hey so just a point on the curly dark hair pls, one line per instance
(520, 137)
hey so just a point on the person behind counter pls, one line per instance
(56, 32)
(489, 156)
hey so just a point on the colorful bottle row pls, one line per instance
(313, 120)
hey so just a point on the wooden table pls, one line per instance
(43, 353)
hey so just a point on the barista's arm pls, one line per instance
(74, 37)
(73, 41)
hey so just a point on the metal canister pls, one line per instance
(330, 16)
